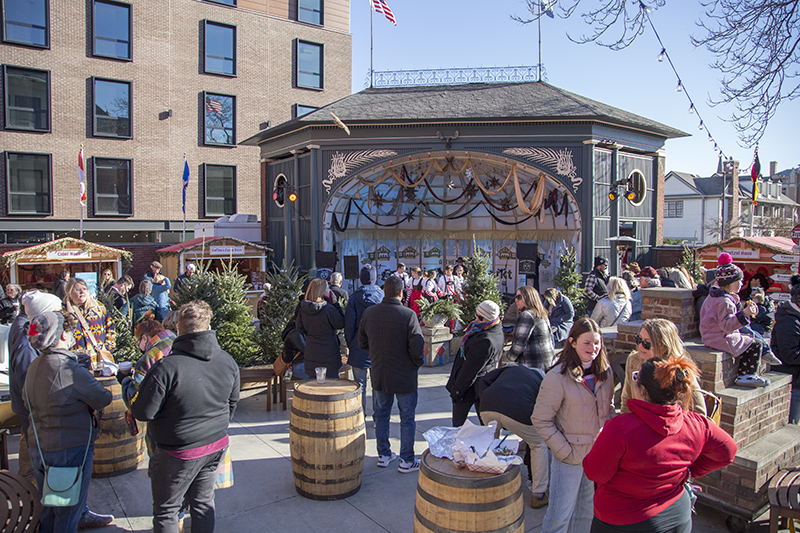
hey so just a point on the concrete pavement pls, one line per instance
(263, 497)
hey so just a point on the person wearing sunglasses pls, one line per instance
(642, 460)
(658, 339)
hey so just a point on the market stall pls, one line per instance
(249, 258)
(37, 267)
(774, 257)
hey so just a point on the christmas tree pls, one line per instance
(278, 307)
(126, 348)
(568, 280)
(480, 284)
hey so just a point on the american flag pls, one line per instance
(82, 178)
(214, 106)
(382, 7)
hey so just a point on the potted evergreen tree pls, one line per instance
(438, 312)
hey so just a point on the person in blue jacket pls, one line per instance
(365, 296)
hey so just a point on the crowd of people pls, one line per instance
(549, 381)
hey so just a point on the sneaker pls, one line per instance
(538, 503)
(384, 460)
(769, 357)
(91, 520)
(752, 380)
(407, 468)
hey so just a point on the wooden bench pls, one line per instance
(784, 498)
(263, 376)
(24, 508)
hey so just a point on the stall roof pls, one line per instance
(777, 245)
(62, 244)
(199, 242)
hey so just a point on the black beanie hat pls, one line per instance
(368, 275)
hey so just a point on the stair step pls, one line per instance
(749, 414)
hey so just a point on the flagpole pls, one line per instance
(540, 40)
(371, 43)
(183, 193)
(81, 203)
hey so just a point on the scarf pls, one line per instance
(473, 328)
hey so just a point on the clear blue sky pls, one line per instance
(476, 33)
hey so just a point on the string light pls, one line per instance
(680, 87)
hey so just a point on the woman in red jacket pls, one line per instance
(641, 460)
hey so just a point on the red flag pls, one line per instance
(382, 7)
(82, 177)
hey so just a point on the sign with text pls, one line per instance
(780, 296)
(786, 258)
(226, 250)
(738, 253)
(796, 234)
(69, 254)
(781, 278)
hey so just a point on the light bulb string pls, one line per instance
(681, 86)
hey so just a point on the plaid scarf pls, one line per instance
(473, 328)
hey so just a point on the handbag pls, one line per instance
(100, 352)
(62, 484)
(280, 366)
(225, 471)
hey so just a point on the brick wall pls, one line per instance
(675, 305)
(750, 414)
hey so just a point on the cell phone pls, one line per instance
(133, 425)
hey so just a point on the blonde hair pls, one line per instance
(618, 286)
(664, 338)
(193, 317)
(417, 271)
(316, 289)
(551, 295)
(90, 301)
(531, 301)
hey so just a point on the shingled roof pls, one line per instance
(473, 101)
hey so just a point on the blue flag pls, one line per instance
(185, 181)
(547, 7)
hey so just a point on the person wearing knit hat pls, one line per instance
(363, 298)
(721, 324)
(481, 348)
(596, 283)
(786, 345)
(64, 394)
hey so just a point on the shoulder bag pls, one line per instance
(280, 366)
(62, 484)
(100, 352)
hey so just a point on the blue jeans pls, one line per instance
(63, 519)
(360, 375)
(299, 370)
(570, 508)
(382, 409)
(794, 407)
(172, 480)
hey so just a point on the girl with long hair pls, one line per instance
(575, 400)
(533, 344)
(319, 320)
(561, 314)
(418, 283)
(616, 307)
(94, 330)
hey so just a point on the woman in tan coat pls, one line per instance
(658, 339)
(575, 400)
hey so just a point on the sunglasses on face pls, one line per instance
(645, 344)
(518, 297)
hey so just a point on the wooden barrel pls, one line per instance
(327, 439)
(116, 451)
(458, 500)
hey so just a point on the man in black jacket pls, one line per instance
(786, 345)
(188, 399)
(390, 333)
(596, 281)
(508, 395)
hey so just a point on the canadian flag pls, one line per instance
(82, 177)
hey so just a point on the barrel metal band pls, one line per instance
(325, 416)
(438, 529)
(316, 466)
(469, 507)
(327, 434)
(327, 497)
(338, 481)
(469, 483)
(332, 398)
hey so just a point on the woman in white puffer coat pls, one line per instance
(616, 307)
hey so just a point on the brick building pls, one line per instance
(139, 84)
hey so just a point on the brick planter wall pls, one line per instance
(676, 305)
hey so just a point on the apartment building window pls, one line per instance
(309, 11)
(223, 2)
(113, 183)
(220, 190)
(674, 209)
(309, 65)
(28, 182)
(220, 119)
(27, 99)
(111, 108)
(220, 49)
(111, 29)
(26, 22)
(300, 110)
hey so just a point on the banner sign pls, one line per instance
(786, 258)
(738, 253)
(69, 254)
(226, 250)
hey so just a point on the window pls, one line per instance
(224, 2)
(112, 186)
(27, 22)
(674, 209)
(28, 183)
(220, 190)
(111, 29)
(220, 119)
(220, 49)
(112, 108)
(27, 99)
(300, 110)
(309, 11)
(309, 65)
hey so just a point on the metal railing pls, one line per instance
(455, 76)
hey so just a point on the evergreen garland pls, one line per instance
(569, 281)
(480, 284)
(285, 284)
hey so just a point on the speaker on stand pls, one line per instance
(528, 261)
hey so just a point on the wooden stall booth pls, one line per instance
(774, 257)
(38, 267)
(249, 258)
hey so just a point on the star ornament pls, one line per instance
(494, 182)
(409, 217)
(32, 331)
